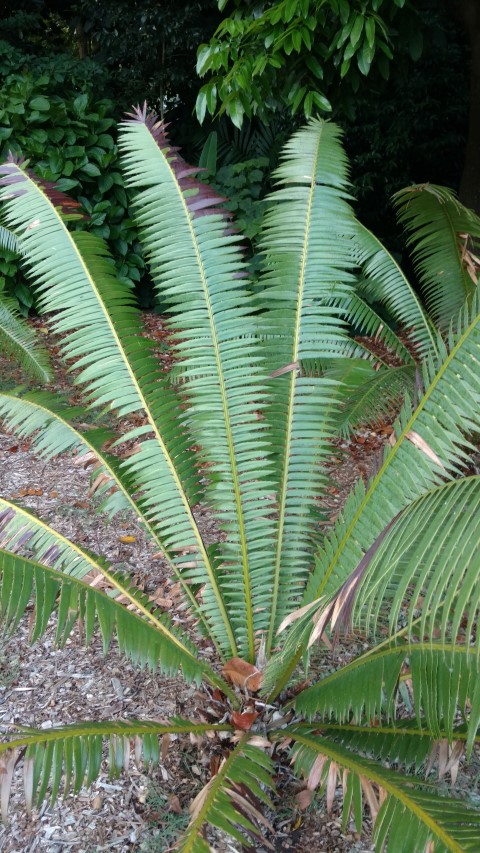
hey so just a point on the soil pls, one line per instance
(43, 686)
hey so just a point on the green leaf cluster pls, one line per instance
(292, 53)
(51, 113)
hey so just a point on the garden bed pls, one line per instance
(43, 686)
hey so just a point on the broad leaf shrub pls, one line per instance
(52, 111)
(400, 564)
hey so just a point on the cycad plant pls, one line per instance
(384, 310)
(247, 431)
(16, 338)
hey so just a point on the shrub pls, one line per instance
(401, 562)
(51, 111)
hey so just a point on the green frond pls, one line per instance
(431, 446)
(366, 321)
(68, 757)
(369, 396)
(407, 813)
(197, 268)
(303, 284)
(444, 680)
(403, 744)
(20, 528)
(232, 799)
(19, 342)
(9, 242)
(145, 635)
(384, 282)
(430, 563)
(444, 237)
(100, 328)
(46, 420)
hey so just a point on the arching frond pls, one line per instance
(145, 635)
(9, 241)
(430, 445)
(403, 744)
(366, 321)
(46, 420)
(232, 799)
(444, 238)
(384, 282)
(68, 757)
(430, 562)
(302, 280)
(18, 341)
(369, 396)
(198, 268)
(406, 813)
(101, 329)
(444, 679)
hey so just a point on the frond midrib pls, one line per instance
(396, 447)
(166, 454)
(288, 441)
(229, 435)
(396, 791)
(136, 509)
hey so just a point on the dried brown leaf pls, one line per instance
(286, 369)
(243, 674)
(85, 459)
(296, 614)
(196, 804)
(331, 785)
(315, 775)
(165, 744)
(370, 797)
(422, 445)
(173, 804)
(304, 798)
(454, 760)
(244, 721)
(250, 809)
(7, 767)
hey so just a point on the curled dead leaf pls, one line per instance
(244, 721)
(243, 674)
(304, 798)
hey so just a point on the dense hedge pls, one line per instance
(54, 112)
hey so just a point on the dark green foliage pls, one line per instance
(52, 111)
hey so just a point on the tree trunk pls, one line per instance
(468, 13)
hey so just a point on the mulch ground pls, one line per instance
(43, 686)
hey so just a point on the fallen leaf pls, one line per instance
(97, 803)
(174, 804)
(99, 481)
(304, 798)
(243, 674)
(244, 721)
